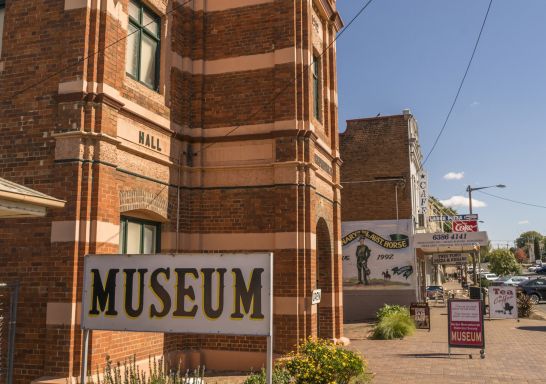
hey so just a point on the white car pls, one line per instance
(490, 276)
(533, 268)
(515, 280)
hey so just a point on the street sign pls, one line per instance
(420, 312)
(453, 218)
(449, 258)
(465, 323)
(503, 303)
(464, 226)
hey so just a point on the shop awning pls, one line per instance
(19, 201)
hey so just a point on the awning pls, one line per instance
(19, 201)
(449, 242)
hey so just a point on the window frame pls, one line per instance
(139, 26)
(124, 220)
(316, 74)
(2, 7)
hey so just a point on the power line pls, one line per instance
(289, 83)
(461, 84)
(98, 52)
(513, 201)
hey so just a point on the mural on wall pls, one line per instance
(377, 254)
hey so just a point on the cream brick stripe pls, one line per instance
(254, 62)
(221, 5)
(104, 232)
(58, 313)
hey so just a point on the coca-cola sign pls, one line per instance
(465, 226)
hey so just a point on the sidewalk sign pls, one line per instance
(420, 312)
(465, 324)
(503, 303)
(228, 294)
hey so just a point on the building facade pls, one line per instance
(383, 188)
(169, 126)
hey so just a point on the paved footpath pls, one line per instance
(514, 354)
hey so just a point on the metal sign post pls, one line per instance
(85, 356)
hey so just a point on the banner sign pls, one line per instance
(377, 253)
(503, 303)
(423, 193)
(420, 312)
(182, 293)
(449, 258)
(465, 323)
(446, 242)
(464, 226)
(453, 218)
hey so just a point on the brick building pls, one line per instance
(381, 177)
(155, 121)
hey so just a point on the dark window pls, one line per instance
(143, 43)
(2, 13)
(316, 87)
(139, 236)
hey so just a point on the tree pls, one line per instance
(520, 255)
(528, 237)
(503, 262)
(536, 245)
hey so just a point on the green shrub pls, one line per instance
(280, 376)
(484, 282)
(525, 305)
(323, 362)
(394, 325)
(389, 309)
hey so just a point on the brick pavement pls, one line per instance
(514, 353)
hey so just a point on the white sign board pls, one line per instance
(454, 218)
(445, 242)
(316, 296)
(377, 254)
(503, 303)
(449, 258)
(183, 293)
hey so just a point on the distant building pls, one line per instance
(385, 194)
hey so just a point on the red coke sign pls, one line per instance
(465, 226)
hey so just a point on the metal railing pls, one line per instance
(9, 294)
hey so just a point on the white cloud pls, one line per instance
(462, 201)
(475, 104)
(522, 222)
(454, 175)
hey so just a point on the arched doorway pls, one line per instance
(325, 281)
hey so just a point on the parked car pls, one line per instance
(541, 271)
(533, 268)
(433, 290)
(490, 276)
(514, 281)
(534, 288)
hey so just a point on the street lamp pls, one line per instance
(469, 189)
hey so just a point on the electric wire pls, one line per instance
(461, 84)
(93, 54)
(513, 201)
(289, 83)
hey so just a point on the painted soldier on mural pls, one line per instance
(362, 255)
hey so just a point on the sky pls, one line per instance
(413, 53)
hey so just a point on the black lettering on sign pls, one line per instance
(207, 292)
(103, 296)
(182, 292)
(129, 277)
(160, 292)
(250, 297)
